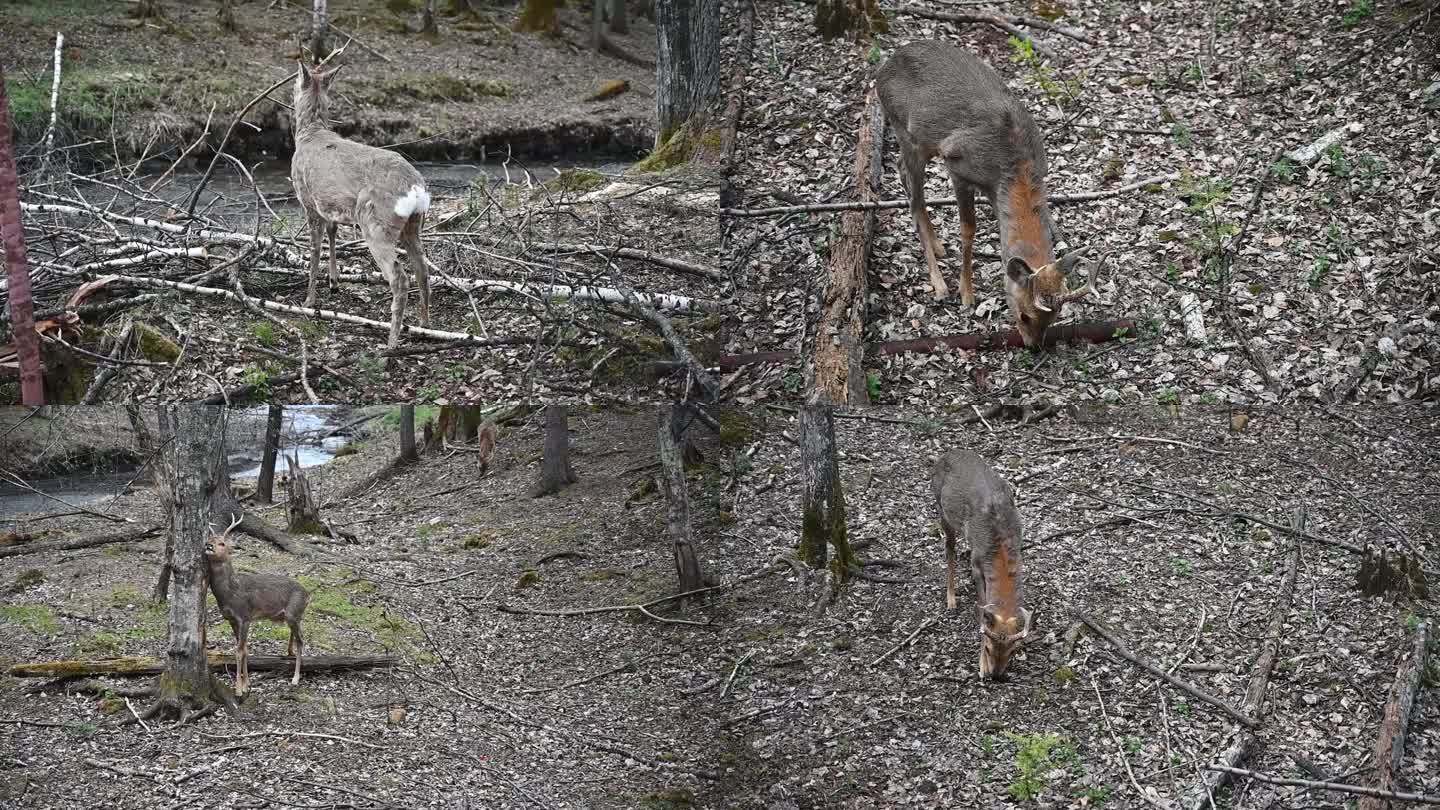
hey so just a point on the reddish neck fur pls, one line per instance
(1001, 588)
(1025, 218)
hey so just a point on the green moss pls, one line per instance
(35, 618)
(1064, 674)
(737, 428)
(578, 180)
(336, 602)
(675, 149)
(478, 541)
(154, 346)
(528, 579)
(674, 799)
(602, 575)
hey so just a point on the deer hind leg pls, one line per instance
(965, 195)
(317, 228)
(415, 254)
(913, 171)
(242, 659)
(330, 237)
(949, 568)
(382, 248)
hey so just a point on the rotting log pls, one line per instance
(670, 434)
(300, 505)
(840, 333)
(1086, 331)
(127, 536)
(1390, 748)
(139, 666)
(1245, 740)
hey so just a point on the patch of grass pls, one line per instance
(27, 579)
(1336, 162)
(338, 603)
(1065, 674)
(35, 618)
(1182, 567)
(675, 799)
(264, 332)
(578, 180)
(529, 578)
(257, 376)
(1035, 755)
(1096, 796)
(1358, 12)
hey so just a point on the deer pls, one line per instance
(485, 443)
(246, 597)
(944, 102)
(975, 501)
(339, 181)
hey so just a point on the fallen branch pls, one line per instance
(1245, 741)
(1390, 747)
(1419, 798)
(1054, 199)
(54, 94)
(1227, 513)
(906, 641)
(634, 254)
(145, 665)
(84, 542)
(840, 333)
(1194, 691)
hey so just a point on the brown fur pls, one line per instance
(486, 442)
(246, 597)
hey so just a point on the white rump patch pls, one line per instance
(415, 201)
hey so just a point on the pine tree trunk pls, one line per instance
(198, 463)
(619, 24)
(319, 28)
(408, 453)
(677, 524)
(555, 470)
(687, 67)
(823, 508)
(22, 305)
(265, 486)
(539, 16)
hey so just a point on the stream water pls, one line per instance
(305, 433)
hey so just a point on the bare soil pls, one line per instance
(778, 707)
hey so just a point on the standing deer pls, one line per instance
(942, 101)
(339, 181)
(974, 500)
(246, 597)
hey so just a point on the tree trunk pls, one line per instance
(164, 468)
(840, 334)
(555, 470)
(226, 16)
(187, 685)
(687, 71)
(319, 28)
(428, 29)
(148, 10)
(823, 508)
(265, 486)
(619, 24)
(539, 16)
(646, 9)
(857, 18)
(304, 511)
(224, 508)
(463, 7)
(597, 24)
(408, 454)
(687, 567)
(22, 305)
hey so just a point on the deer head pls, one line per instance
(219, 547)
(999, 636)
(1038, 295)
(312, 95)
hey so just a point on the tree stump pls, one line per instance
(555, 470)
(408, 454)
(823, 508)
(856, 18)
(688, 65)
(677, 522)
(304, 511)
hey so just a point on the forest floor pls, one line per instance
(1338, 266)
(545, 175)
(768, 704)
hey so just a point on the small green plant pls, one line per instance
(1168, 397)
(1182, 708)
(264, 332)
(1182, 567)
(1412, 622)
(1035, 756)
(874, 55)
(1337, 163)
(257, 377)
(1358, 12)
(1132, 745)
(1182, 135)
(1096, 796)
(1318, 271)
(1022, 51)
(1284, 170)
(428, 393)
(872, 385)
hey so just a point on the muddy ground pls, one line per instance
(769, 705)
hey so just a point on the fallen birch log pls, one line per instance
(1054, 199)
(134, 666)
(205, 234)
(1390, 748)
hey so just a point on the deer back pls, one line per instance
(349, 182)
(974, 499)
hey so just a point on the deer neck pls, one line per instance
(1024, 215)
(222, 580)
(309, 115)
(1002, 581)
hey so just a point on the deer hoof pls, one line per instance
(941, 293)
(295, 681)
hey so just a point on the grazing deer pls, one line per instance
(246, 597)
(974, 500)
(486, 442)
(942, 101)
(339, 181)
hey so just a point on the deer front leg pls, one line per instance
(334, 273)
(317, 227)
(914, 174)
(949, 570)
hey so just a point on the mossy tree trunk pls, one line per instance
(673, 419)
(619, 23)
(687, 69)
(555, 470)
(539, 16)
(303, 509)
(187, 687)
(854, 18)
(408, 454)
(823, 509)
(265, 486)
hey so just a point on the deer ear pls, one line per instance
(305, 77)
(1018, 271)
(1025, 619)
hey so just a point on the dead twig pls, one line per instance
(906, 641)
(1340, 787)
